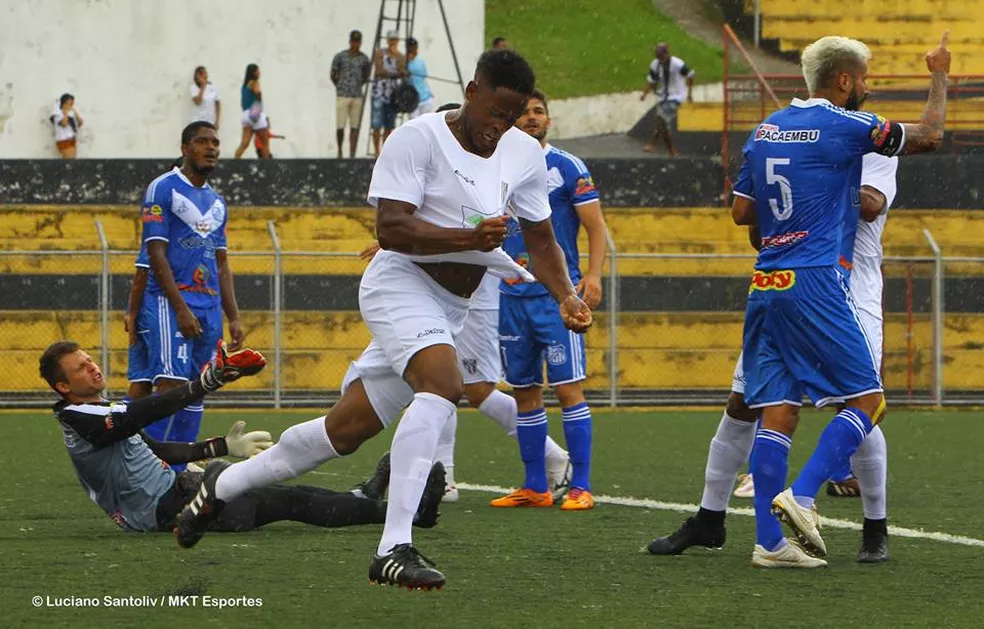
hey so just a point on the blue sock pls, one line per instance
(531, 431)
(842, 472)
(769, 464)
(184, 428)
(577, 435)
(839, 441)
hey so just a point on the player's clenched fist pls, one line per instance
(938, 60)
(575, 314)
(490, 233)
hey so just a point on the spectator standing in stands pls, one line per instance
(500, 42)
(671, 79)
(254, 119)
(350, 70)
(391, 65)
(418, 78)
(67, 122)
(204, 98)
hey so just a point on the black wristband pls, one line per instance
(215, 447)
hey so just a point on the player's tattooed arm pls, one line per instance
(927, 135)
(872, 203)
(397, 229)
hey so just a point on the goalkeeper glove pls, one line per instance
(227, 367)
(246, 444)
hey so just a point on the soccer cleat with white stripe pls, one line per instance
(804, 522)
(450, 487)
(404, 566)
(194, 518)
(790, 555)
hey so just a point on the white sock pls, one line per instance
(411, 457)
(870, 466)
(729, 450)
(501, 409)
(445, 444)
(301, 448)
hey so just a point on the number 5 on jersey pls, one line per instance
(782, 208)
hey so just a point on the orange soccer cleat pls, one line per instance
(578, 500)
(524, 497)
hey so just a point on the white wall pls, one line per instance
(129, 64)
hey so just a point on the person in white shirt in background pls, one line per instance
(204, 98)
(67, 123)
(671, 79)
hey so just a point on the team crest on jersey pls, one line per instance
(471, 365)
(201, 275)
(556, 355)
(772, 133)
(188, 212)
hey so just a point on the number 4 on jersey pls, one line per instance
(785, 190)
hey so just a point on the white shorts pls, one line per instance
(256, 125)
(871, 323)
(406, 311)
(478, 347)
(866, 291)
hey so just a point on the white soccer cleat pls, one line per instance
(559, 479)
(791, 555)
(804, 522)
(745, 488)
(450, 487)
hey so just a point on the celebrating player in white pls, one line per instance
(441, 186)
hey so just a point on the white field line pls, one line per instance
(645, 503)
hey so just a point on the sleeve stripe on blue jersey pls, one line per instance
(740, 194)
(860, 116)
(152, 188)
(580, 165)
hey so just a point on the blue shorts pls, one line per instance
(803, 335)
(169, 354)
(531, 332)
(138, 362)
(383, 115)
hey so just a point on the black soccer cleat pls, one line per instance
(430, 500)
(375, 487)
(194, 518)
(693, 532)
(874, 542)
(405, 567)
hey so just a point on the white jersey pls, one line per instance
(423, 164)
(486, 296)
(877, 172)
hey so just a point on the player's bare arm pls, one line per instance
(229, 306)
(137, 287)
(550, 269)
(397, 229)
(594, 224)
(927, 135)
(187, 322)
(873, 203)
(754, 239)
(743, 211)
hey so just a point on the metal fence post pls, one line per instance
(938, 310)
(104, 300)
(278, 276)
(612, 321)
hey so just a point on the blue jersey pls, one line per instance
(569, 185)
(803, 169)
(192, 221)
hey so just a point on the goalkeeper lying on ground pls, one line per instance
(126, 472)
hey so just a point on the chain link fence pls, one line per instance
(668, 331)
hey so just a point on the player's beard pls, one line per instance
(854, 102)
